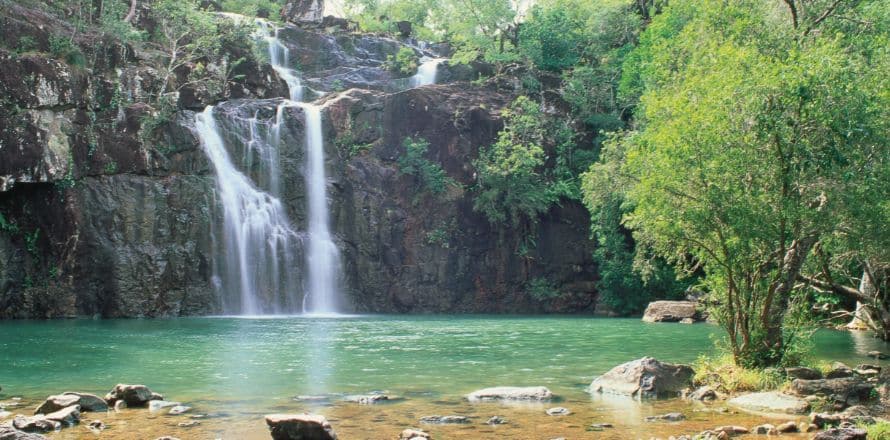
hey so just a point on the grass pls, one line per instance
(879, 431)
(723, 375)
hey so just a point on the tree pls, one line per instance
(747, 139)
(184, 34)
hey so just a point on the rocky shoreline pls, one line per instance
(839, 404)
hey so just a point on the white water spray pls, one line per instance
(323, 258)
(426, 73)
(257, 237)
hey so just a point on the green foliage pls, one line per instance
(404, 62)
(542, 289)
(552, 37)
(516, 179)
(64, 48)
(8, 226)
(26, 44)
(878, 431)
(31, 242)
(429, 175)
(110, 167)
(724, 375)
(752, 145)
(252, 8)
(441, 235)
(186, 35)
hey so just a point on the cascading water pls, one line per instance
(257, 237)
(426, 73)
(259, 243)
(323, 257)
(279, 58)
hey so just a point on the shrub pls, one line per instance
(404, 62)
(542, 289)
(429, 174)
(721, 373)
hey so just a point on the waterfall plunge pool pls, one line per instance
(244, 368)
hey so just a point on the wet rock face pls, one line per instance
(303, 11)
(407, 250)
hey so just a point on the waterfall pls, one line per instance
(426, 73)
(323, 257)
(258, 243)
(257, 237)
(279, 58)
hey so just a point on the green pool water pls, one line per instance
(275, 359)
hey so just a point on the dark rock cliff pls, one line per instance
(100, 216)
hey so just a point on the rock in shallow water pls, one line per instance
(132, 395)
(842, 434)
(496, 420)
(38, 423)
(645, 377)
(179, 409)
(669, 417)
(770, 402)
(444, 420)
(510, 393)
(66, 416)
(369, 399)
(670, 311)
(300, 427)
(413, 434)
(558, 411)
(10, 433)
(157, 405)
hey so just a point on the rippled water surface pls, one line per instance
(278, 358)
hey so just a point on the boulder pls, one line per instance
(558, 411)
(404, 28)
(877, 355)
(788, 427)
(68, 416)
(87, 402)
(300, 427)
(844, 391)
(803, 373)
(510, 393)
(10, 433)
(303, 11)
(444, 420)
(842, 434)
(770, 402)
(413, 434)
(669, 311)
(646, 377)
(38, 423)
(766, 429)
(703, 394)
(132, 395)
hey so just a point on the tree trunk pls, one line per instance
(132, 12)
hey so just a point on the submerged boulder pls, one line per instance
(413, 434)
(510, 393)
(645, 377)
(132, 395)
(842, 434)
(670, 311)
(38, 423)
(444, 420)
(87, 403)
(770, 402)
(300, 427)
(10, 433)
